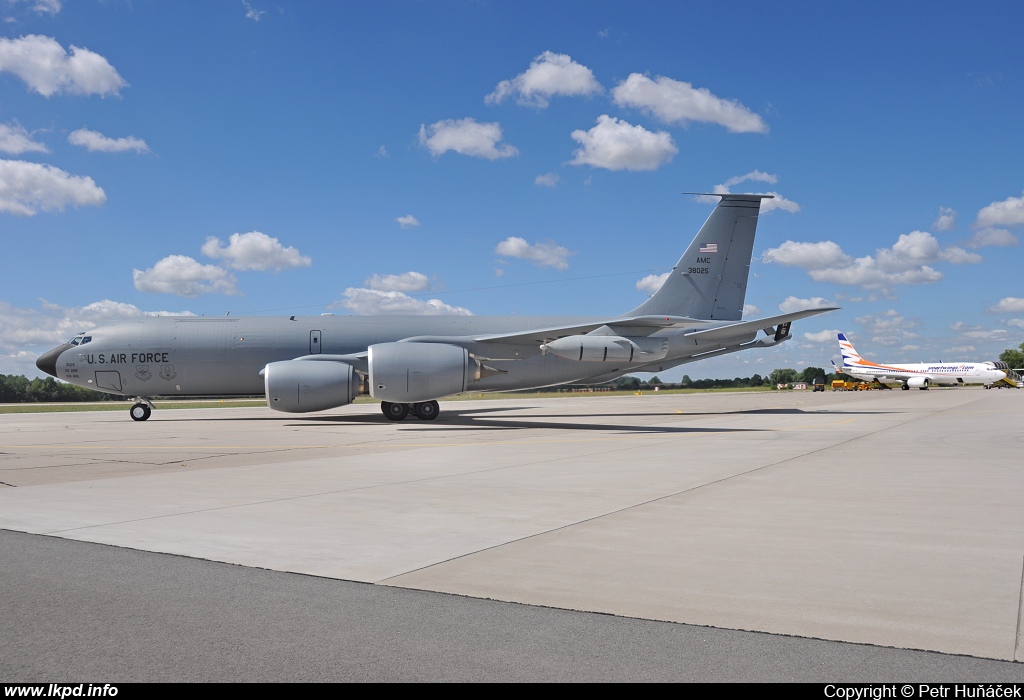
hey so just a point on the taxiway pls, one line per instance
(888, 519)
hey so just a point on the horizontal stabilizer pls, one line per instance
(743, 327)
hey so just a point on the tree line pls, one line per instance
(16, 388)
(1014, 357)
(774, 378)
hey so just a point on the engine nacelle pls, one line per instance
(300, 386)
(918, 382)
(415, 372)
(593, 348)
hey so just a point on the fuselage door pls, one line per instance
(314, 342)
(108, 380)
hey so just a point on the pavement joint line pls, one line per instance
(482, 443)
(1020, 606)
(360, 445)
(325, 493)
(671, 495)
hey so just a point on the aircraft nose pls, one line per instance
(47, 362)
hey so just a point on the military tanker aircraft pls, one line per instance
(314, 363)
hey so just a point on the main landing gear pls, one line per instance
(426, 410)
(142, 409)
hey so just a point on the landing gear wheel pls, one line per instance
(427, 410)
(140, 411)
(394, 411)
(905, 387)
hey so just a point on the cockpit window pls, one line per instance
(78, 339)
(86, 339)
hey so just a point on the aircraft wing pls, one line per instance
(629, 325)
(624, 325)
(768, 324)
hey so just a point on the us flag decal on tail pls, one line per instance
(709, 248)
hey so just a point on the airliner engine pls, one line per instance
(918, 382)
(415, 372)
(298, 386)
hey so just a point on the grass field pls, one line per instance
(255, 403)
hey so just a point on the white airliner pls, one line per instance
(920, 375)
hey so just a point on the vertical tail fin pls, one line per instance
(846, 349)
(710, 280)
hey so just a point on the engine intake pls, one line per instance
(300, 386)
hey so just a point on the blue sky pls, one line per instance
(499, 158)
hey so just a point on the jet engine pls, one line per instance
(300, 386)
(416, 372)
(918, 382)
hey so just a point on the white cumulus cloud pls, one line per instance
(408, 221)
(826, 336)
(42, 7)
(615, 144)
(253, 251)
(997, 334)
(363, 301)
(753, 175)
(946, 220)
(750, 310)
(811, 256)
(540, 254)
(1009, 212)
(767, 205)
(549, 74)
(546, 180)
(48, 69)
(184, 276)
(906, 263)
(991, 237)
(466, 136)
(791, 304)
(14, 139)
(887, 323)
(677, 102)
(1009, 305)
(95, 141)
(1015, 322)
(252, 13)
(405, 282)
(652, 283)
(27, 188)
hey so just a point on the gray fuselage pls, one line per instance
(222, 356)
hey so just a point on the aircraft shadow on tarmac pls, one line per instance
(477, 419)
(471, 420)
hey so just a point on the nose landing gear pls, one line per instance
(142, 409)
